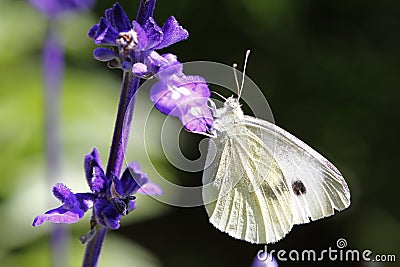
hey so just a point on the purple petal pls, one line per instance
(104, 54)
(105, 34)
(185, 97)
(59, 215)
(62, 192)
(140, 70)
(151, 189)
(161, 96)
(173, 66)
(74, 207)
(107, 214)
(178, 93)
(92, 159)
(132, 205)
(95, 176)
(119, 19)
(109, 16)
(92, 32)
(141, 36)
(163, 66)
(111, 218)
(85, 200)
(198, 119)
(98, 183)
(146, 10)
(155, 61)
(173, 33)
(136, 168)
(153, 32)
(132, 179)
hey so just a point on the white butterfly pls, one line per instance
(262, 180)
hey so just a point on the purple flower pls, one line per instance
(175, 94)
(264, 259)
(185, 97)
(132, 39)
(73, 208)
(110, 197)
(54, 8)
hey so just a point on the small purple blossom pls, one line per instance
(264, 259)
(110, 197)
(73, 208)
(175, 94)
(185, 97)
(55, 8)
(131, 39)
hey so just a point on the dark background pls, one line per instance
(330, 71)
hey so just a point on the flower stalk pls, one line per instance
(53, 69)
(130, 85)
(93, 248)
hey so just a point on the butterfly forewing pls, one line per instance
(247, 194)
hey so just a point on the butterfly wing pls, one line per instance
(261, 180)
(244, 190)
(316, 186)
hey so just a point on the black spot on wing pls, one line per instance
(298, 188)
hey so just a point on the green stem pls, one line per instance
(130, 84)
(93, 248)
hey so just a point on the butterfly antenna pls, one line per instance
(236, 78)
(244, 72)
(218, 94)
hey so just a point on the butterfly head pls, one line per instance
(231, 108)
(232, 104)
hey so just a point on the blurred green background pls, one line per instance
(329, 69)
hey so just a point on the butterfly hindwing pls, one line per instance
(317, 188)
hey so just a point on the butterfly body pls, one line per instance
(261, 180)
